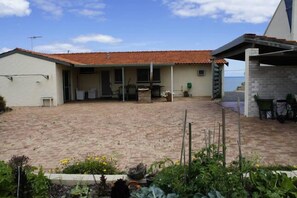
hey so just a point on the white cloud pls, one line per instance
(90, 13)
(89, 8)
(100, 38)
(49, 7)
(230, 11)
(4, 49)
(60, 48)
(14, 8)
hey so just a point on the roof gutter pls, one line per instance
(124, 65)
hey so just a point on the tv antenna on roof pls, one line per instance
(32, 38)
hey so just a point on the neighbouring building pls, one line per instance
(270, 59)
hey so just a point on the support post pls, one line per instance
(123, 83)
(224, 136)
(151, 75)
(171, 79)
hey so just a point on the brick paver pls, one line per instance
(135, 133)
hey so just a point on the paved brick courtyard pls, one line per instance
(135, 133)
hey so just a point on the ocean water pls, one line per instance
(231, 83)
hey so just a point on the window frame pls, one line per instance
(118, 79)
(146, 73)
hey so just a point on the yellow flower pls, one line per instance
(176, 162)
(104, 163)
(64, 162)
(257, 165)
(97, 158)
(103, 157)
(104, 170)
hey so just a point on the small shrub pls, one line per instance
(39, 184)
(80, 191)
(2, 104)
(120, 189)
(102, 188)
(31, 185)
(21, 168)
(100, 165)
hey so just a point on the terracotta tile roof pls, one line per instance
(129, 58)
(142, 57)
(50, 56)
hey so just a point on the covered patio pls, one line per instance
(270, 67)
(120, 81)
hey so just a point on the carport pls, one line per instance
(270, 67)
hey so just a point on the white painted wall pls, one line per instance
(279, 25)
(27, 90)
(201, 85)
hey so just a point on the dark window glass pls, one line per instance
(118, 76)
(143, 75)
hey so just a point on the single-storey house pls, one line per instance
(270, 59)
(29, 78)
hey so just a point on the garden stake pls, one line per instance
(214, 133)
(219, 138)
(209, 141)
(183, 140)
(19, 181)
(205, 138)
(239, 138)
(224, 136)
(190, 146)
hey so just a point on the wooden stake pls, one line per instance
(183, 139)
(224, 136)
(190, 146)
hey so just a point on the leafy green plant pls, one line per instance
(171, 179)
(90, 165)
(207, 173)
(211, 194)
(268, 183)
(152, 192)
(80, 191)
(39, 183)
(7, 185)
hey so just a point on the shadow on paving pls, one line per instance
(230, 101)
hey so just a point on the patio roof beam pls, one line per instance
(277, 53)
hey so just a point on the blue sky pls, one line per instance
(131, 25)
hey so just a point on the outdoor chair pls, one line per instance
(266, 107)
(80, 94)
(292, 107)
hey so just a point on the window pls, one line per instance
(118, 76)
(201, 72)
(143, 75)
